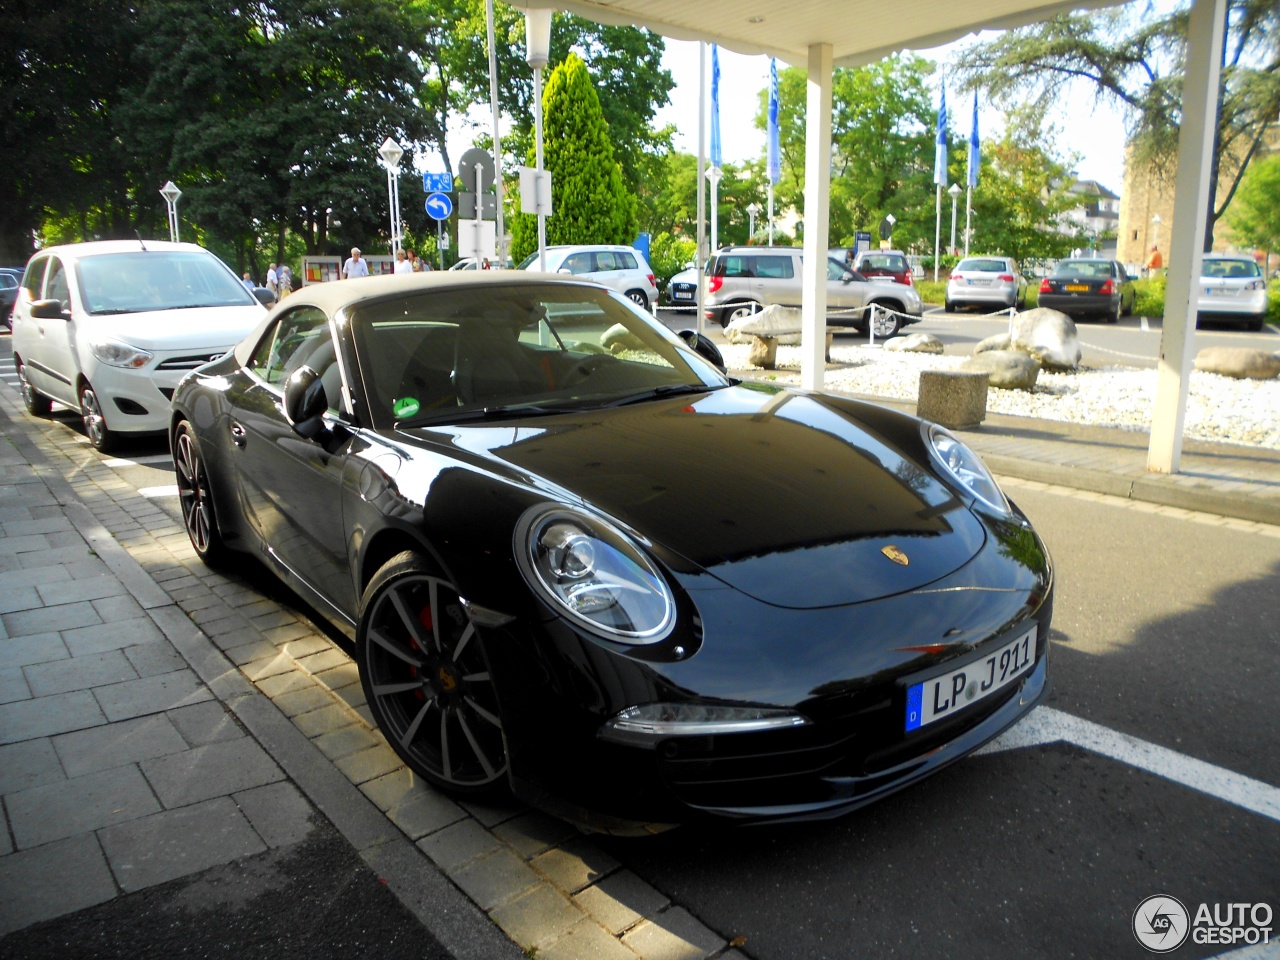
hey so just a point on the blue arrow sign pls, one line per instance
(439, 206)
(437, 182)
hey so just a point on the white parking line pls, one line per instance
(117, 462)
(159, 492)
(1046, 725)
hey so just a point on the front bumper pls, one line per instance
(138, 401)
(846, 670)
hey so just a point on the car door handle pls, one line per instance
(238, 434)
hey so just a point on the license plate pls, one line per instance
(1222, 292)
(979, 283)
(1076, 288)
(942, 696)
(681, 295)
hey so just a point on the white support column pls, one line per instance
(817, 198)
(1190, 213)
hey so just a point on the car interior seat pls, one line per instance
(491, 366)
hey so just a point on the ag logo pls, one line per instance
(1161, 924)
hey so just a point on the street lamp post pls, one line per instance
(391, 152)
(955, 192)
(752, 210)
(171, 193)
(537, 38)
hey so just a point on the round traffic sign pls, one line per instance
(439, 206)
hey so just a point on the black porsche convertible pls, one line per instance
(580, 562)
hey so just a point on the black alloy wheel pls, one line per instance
(95, 423)
(427, 680)
(196, 497)
(37, 404)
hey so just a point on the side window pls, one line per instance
(732, 266)
(606, 260)
(55, 286)
(33, 278)
(834, 270)
(775, 268)
(627, 262)
(300, 337)
(577, 263)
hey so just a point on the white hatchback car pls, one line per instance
(989, 282)
(110, 327)
(1232, 289)
(619, 268)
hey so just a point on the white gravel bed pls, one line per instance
(1219, 408)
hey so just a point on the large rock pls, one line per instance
(1243, 363)
(1005, 369)
(998, 342)
(1049, 336)
(618, 338)
(915, 343)
(781, 323)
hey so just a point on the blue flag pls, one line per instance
(975, 151)
(716, 158)
(940, 151)
(775, 152)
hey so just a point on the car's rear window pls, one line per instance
(982, 265)
(1229, 268)
(883, 261)
(1085, 268)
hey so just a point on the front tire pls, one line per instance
(37, 404)
(426, 678)
(639, 299)
(196, 496)
(95, 423)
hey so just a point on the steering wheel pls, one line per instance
(585, 367)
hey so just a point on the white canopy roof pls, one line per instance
(859, 32)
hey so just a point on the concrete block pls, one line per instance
(458, 844)
(538, 917)
(533, 833)
(674, 935)
(620, 901)
(495, 879)
(953, 398)
(587, 941)
(575, 865)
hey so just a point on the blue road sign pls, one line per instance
(437, 182)
(439, 206)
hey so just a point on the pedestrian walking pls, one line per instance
(273, 279)
(284, 277)
(355, 266)
(403, 264)
(247, 280)
(1155, 262)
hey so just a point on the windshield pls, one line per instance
(147, 280)
(510, 350)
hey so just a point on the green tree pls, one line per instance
(590, 200)
(1255, 214)
(1135, 60)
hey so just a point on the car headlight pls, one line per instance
(117, 353)
(594, 574)
(967, 469)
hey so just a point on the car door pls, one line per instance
(775, 278)
(55, 354)
(292, 486)
(842, 294)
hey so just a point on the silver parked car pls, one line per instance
(994, 282)
(1232, 289)
(743, 280)
(619, 268)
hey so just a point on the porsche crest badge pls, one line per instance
(896, 555)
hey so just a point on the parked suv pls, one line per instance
(110, 327)
(620, 268)
(742, 280)
(1232, 289)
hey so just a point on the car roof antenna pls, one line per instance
(138, 234)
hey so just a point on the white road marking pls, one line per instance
(117, 462)
(158, 492)
(1146, 327)
(1046, 725)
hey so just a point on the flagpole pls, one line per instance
(702, 167)
(773, 148)
(771, 213)
(937, 232)
(968, 217)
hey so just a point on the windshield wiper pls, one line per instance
(509, 411)
(664, 390)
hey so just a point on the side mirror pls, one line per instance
(265, 296)
(704, 347)
(49, 310)
(849, 276)
(305, 403)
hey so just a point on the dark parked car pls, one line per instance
(8, 296)
(1089, 288)
(578, 560)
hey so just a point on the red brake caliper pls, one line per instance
(424, 618)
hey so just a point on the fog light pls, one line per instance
(645, 725)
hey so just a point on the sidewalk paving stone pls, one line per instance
(79, 673)
(458, 844)
(587, 940)
(621, 900)
(208, 771)
(575, 865)
(537, 918)
(56, 811)
(13, 685)
(673, 935)
(177, 843)
(34, 648)
(46, 716)
(204, 723)
(31, 763)
(495, 879)
(278, 812)
(111, 636)
(151, 694)
(34, 887)
(118, 744)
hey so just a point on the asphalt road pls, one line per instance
(1165, 640)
